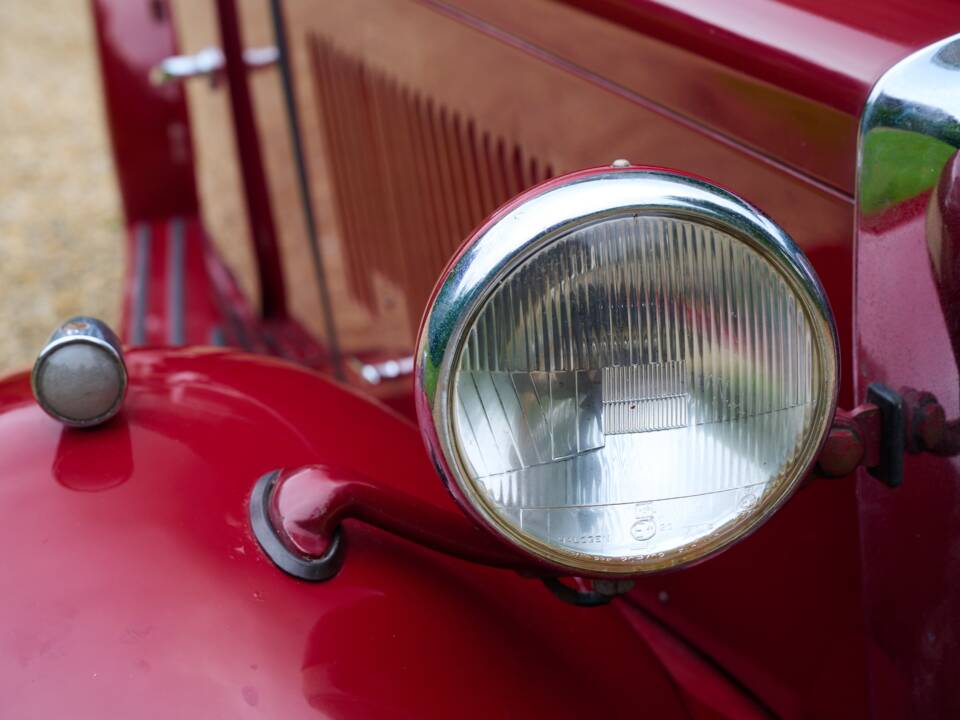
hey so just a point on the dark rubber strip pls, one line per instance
(141, 285)
(176, 289)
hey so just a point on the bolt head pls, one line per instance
(929, 424)
(842, 452)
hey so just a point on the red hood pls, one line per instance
(786, 80)
(831, 52)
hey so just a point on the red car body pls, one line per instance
(133, 585)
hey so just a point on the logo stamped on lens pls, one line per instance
(643, 528)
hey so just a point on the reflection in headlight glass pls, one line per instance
(634, 388)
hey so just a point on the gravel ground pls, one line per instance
(60, 221)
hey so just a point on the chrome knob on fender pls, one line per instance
(80, 377)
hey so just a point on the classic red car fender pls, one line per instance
(133, 586)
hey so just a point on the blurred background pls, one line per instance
(60, 221)
(61, 225)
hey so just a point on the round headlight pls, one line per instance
(626, 370)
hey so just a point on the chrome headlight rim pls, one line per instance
(533, 221)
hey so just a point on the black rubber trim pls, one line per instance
(237, 327)
(303, 568)
(892, 434)
(176, 285)
(141, 287)
(575, 597)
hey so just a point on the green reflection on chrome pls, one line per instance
(898, 165)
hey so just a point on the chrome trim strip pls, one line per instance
(141, 285)
(375, 373)
(207, 62)
(176, 289)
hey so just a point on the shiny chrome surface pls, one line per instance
(207, 63)
(909, 129)
(582, 208)
(80, 377)
(376, 372)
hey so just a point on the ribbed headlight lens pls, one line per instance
(627, 371)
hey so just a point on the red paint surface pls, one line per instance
(831, 52)
(132, 586)
(309, 504)
(910, 538)
(706, 687)
(149, 128)
(827, 53)
(273, 300)
(202, 312)
(943, 247)
(152, 152)
(151, 142)
(783, 611)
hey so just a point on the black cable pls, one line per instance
(303, 181)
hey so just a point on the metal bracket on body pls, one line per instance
(312, 569)
(889, 467)
(297, 516)
(878, 434)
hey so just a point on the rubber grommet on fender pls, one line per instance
(311, 569)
